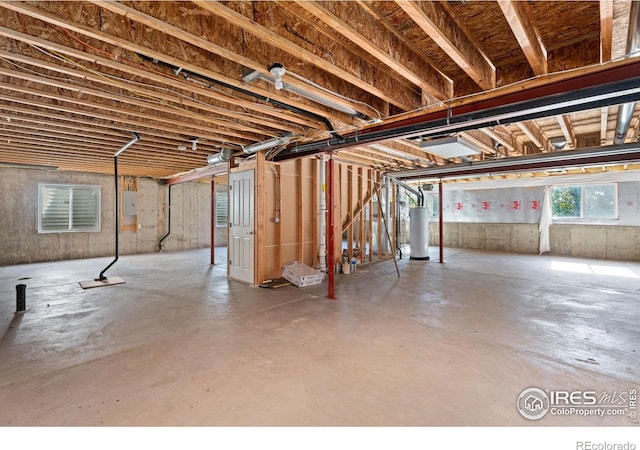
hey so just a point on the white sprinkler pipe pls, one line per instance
(322, 250)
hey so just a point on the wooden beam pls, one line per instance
(529, 133)
(303, 54)
(403, 60)
(520, 20)
(606, 30)
(567, 130)
(434, 20)
(501, 138)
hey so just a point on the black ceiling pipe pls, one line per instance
(614, 86)
(168, 221)
(135, 139)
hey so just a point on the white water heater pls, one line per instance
(419, 233)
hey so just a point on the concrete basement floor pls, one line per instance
(179, 344)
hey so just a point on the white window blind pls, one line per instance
(68, 208)
(222, 209)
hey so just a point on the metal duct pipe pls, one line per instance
(419, 195)
(135, 139)
(625, 111)
(224, 156)
(264, 145)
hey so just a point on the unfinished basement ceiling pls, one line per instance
(191, 78)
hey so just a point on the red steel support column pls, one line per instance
(331, 257)
(440, 209)
(213, 220)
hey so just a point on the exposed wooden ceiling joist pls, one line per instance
(519, 18)
(404, 100)
(606, 30)
(397, 56)
(87, 74)
(443, 29)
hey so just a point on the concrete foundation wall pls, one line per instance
(20, 241)
(586, 241)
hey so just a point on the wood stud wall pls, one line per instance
(295, 237)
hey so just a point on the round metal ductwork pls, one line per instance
(223, 156)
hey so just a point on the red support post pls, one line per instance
(441, 217)
(331, 257)
(213, 220)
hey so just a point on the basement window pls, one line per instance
(589, 201)
(222, 209)
(64, 208)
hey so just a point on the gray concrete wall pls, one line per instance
(20, 241)
(586, 241)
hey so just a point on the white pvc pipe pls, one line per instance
(322, 250)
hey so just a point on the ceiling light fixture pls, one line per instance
(558, 143)
(194, 143)
(449, 147)
(278, 71)
(277, 68)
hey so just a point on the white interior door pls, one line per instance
(241, 226)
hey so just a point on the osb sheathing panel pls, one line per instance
(560, 21)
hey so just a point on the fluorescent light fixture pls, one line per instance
(279, 84)
(450, 147)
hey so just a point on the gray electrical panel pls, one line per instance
(130, 203)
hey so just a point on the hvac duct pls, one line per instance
(224, 156)
(418, 193)
(269, 143)
(625, 111)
